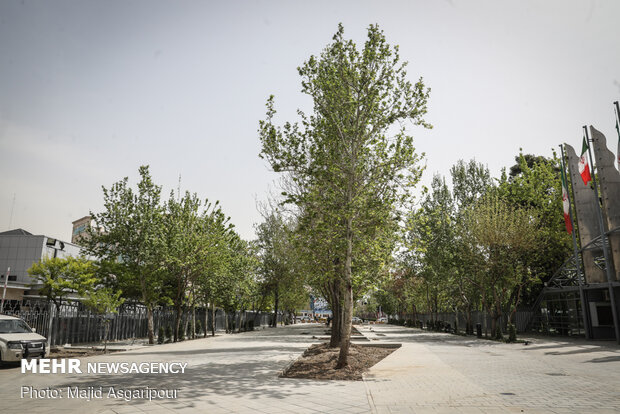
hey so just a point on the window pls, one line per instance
(12, 278)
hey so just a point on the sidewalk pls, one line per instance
(226, 374)
(430, 373)
(443, 373)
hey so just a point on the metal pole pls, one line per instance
(612, 296)
(586, 320)
(6, 280)
(618, 130)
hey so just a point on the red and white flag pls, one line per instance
(584, 166)
(566, 205)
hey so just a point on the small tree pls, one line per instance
(57, 277)
(104, 301)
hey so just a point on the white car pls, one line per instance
(18, 341)
(356, 320)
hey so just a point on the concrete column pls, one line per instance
(586, 214)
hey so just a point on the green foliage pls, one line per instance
(512, 333)
(198, 326)
(183, 252)
(487, 244)
(498, 334)
(103, 300)
(130, 232)
(351, 162)
(280, 274)
(168, 333)
(160, 335)
(536, 186)
(58, 278)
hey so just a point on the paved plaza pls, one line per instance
(430, 373)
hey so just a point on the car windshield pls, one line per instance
(14, 326)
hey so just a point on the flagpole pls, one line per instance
(584, 305)
(617, 108)
(612, 296)
(6, 280)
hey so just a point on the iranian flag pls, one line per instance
(566, 205)
(584, 167)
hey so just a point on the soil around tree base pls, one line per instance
(319, 362)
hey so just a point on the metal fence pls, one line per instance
(520, 320)
(75, 325)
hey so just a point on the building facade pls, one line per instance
(19, 250)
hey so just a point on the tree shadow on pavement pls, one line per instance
(248, 380)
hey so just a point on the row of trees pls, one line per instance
(486, 244)
(181, 253)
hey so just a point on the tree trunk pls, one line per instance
(213, 314)
(345, 341)
(276, 301)
(177, 321)
(105, 335)
(206, 325)
(193, 321)
(336, 333)
(456, 321)
(150, 324)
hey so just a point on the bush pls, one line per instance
(498, 334)
(180, 333)
(198, 327)
(160, 335)
(512, 333)
(250, 325)
(168, 333)
(190, 328)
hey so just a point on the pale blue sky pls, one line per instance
(90, 90)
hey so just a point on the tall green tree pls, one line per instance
(534, 183)
(275, 251)
(501, 236)
(351, 153)
(130, 231)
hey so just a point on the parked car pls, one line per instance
(382, 320)
(19, 341)
(355, 319)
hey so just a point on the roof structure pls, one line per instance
(16, 232)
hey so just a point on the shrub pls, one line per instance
(512, 333)
(180, 333)
(498, 334)
(160, 335)
(198, 327)
(168, 333)
(190, 328)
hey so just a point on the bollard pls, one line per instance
(479, 330)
